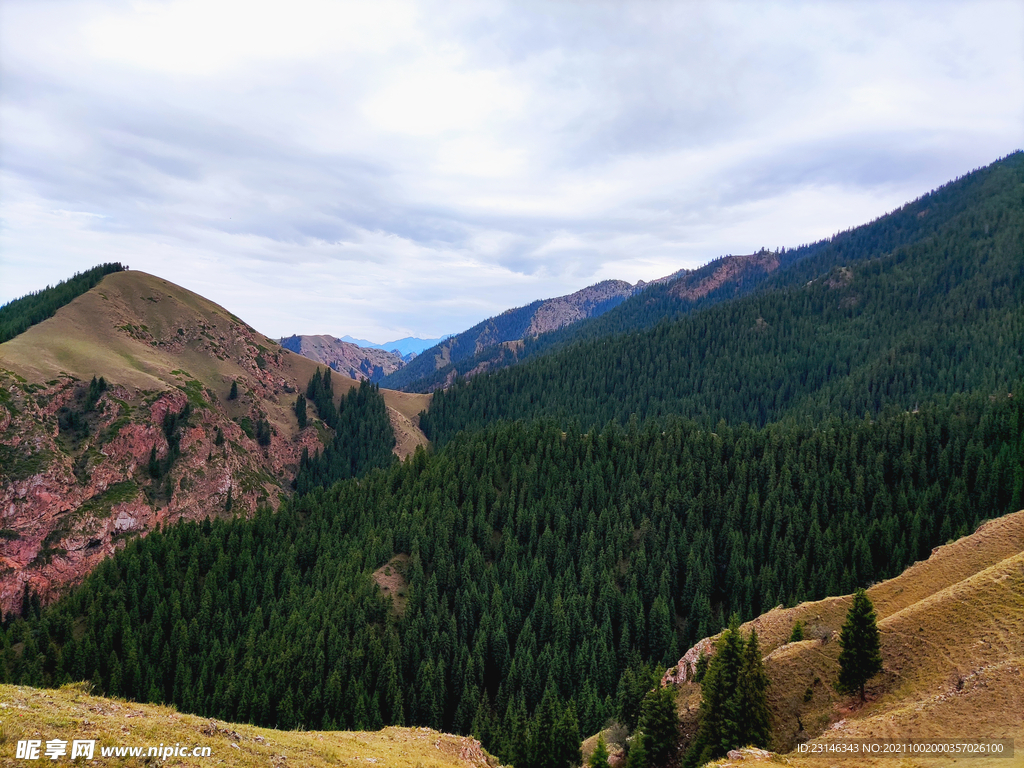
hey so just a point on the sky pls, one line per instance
(387, 169)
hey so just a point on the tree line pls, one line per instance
(542, 570)
(937, 315)
(21, 314)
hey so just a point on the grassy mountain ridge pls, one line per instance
(952, 646)
(20, 314)
(84, 469)
(72, 713)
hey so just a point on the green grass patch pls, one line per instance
(16, 465)
(246, 424)
(46, 554)
(194, 390)
(101, 505)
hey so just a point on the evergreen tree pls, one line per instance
(566, 739)
(300, 410)
(861, 656)
(659, 723)
(638, 753)
(599, 757)
(751, 693)
(797, 634)
(233, 394)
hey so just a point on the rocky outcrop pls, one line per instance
(353, 361)
(565, 310)
(729, 270)
(511, 327)
(68, 500)
(684, 669)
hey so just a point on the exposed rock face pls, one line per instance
(510, 328)
(353, 361)
(690, 286)
(684, 670)
(565, 310)
(67, 502)
(81, 474)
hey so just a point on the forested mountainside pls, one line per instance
(523, 563)
(586, 516)
(926, 219)
(508, 330)
(21, 314)
(941, 314)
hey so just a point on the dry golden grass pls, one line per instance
(126, 330)
(70, 713)
(952, 631)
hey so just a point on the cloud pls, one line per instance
(409, 168)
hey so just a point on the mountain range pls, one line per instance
(346, 358)
(405, 347)
(609, 476)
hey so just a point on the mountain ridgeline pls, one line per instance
(938, 315)
(584, 517)
(931, 218)
(501, 335)
(21, 314)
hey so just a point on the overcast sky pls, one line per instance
(385, 169)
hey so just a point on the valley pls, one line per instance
(560, 512)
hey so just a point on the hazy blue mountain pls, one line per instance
(406, 346)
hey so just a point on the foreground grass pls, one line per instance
(71, 713)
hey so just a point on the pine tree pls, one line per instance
(719, 730)
(660, 724)
(300, 411)
(638, 753)
(861, 656)
(798, 633)
(566, 739)
(751, 691)
(599, 757)
(233, 395)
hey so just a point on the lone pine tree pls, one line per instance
(861, 657)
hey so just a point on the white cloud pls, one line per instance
(408, 168)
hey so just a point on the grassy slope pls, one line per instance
(87, 338)
(952, 630)
(69, 713)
